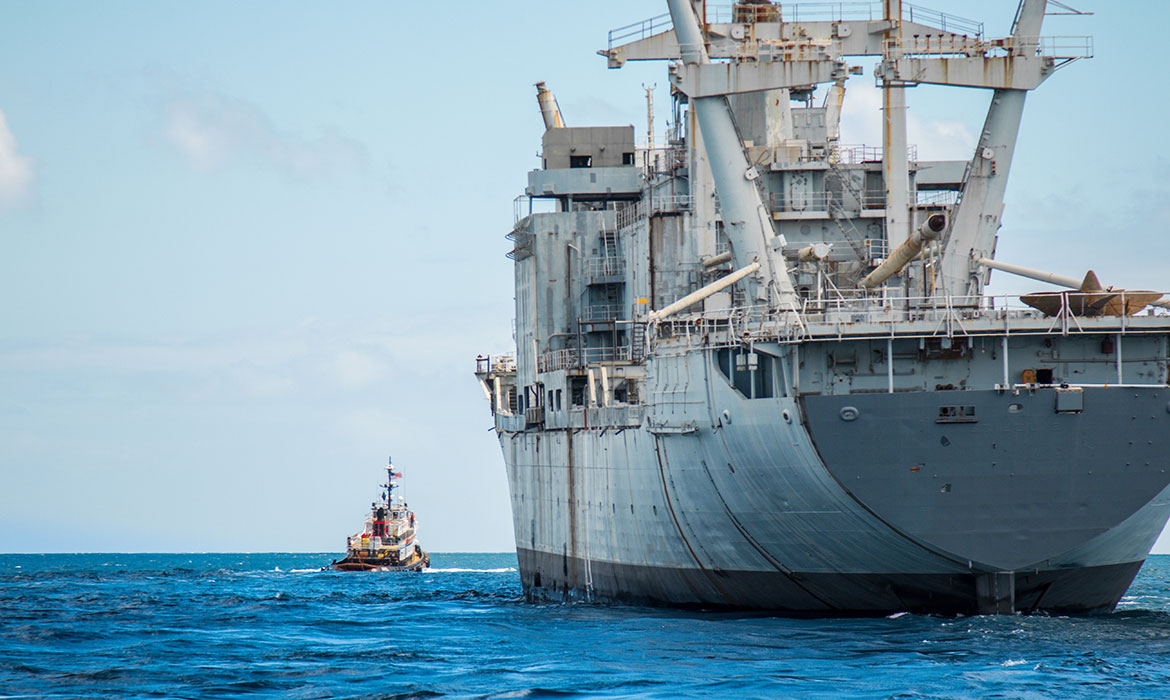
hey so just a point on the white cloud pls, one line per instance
(940, 139)
(16, 171)
(212, 131)
(205, 146)
(936, 139)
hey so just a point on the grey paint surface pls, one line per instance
(548, 576)
(743, 492)
(1017, 486)
(701, 486)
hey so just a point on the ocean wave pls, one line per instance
(463, 629)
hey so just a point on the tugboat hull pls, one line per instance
(357, 564)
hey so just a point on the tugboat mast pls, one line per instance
(389, 480)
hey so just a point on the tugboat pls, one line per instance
(389, 540)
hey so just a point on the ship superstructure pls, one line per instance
(755, 367)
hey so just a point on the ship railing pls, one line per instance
(503, 363)
(666, 203)
(604, 266)
(640, 30)
(699, 325)
(661, 204)
(852, 154)
(554, 360)
(629, 214)
(795, 12)
(802, 201)
(572, 358)
(821, 200)
(595, 313)
(877, 248)
(798, 12)
(858, 314)
(524, 206)
(937, 198)
(856, 153)
(941, 20)
(521, 207)
(1062, 47)
(873, 199)
(661, 159)
(621, 353)
(652, 204)
(803, 12)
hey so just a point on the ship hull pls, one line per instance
(847, 504)
(1080, 590)
(758, 371)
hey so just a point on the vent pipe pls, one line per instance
(549, 108)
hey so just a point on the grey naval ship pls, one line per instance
(757, 368)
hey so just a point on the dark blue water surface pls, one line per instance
(272, 625)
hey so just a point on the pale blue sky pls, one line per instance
(251, 249)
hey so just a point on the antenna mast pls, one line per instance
(649, 115)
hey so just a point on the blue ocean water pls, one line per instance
(273, 625)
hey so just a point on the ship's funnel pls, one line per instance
(548, 107)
